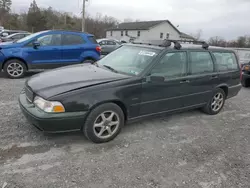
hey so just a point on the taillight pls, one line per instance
(246, 67)
(98, 48)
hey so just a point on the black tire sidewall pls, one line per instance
(88, 126)
(244, 83)
(16, 61)
(90, 61)
(209, 109)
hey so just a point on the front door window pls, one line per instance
(172, 65)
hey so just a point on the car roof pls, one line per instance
(70, 31)
(106, 39)
(18, 31)
(145, 46)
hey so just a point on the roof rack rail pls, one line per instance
(168, 42)
(203, 43)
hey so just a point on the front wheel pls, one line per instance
(14, 69)
(216, 103)
(104, 123)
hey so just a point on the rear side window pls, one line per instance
(225, 61)
(92, 39)
(71, 39)
(201, 62)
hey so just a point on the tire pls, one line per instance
(14, 69)
(96, 123)
(91, 61)
(245, 83)
(209, 108)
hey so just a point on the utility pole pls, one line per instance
(83, 15)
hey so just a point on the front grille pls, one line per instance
(29, 94)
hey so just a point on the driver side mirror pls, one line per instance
(36, 44)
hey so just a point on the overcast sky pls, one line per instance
(226, 18)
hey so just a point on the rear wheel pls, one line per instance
(216, 103)
(14, 68)
(104, 123)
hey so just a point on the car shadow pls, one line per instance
(78, 137)
(27, 75)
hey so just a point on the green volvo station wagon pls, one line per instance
(134, 82)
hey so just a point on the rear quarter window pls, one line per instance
(226, 61)
(92, 39)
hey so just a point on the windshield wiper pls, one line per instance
(110, 68)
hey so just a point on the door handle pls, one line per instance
(184, 81)
(214, 77)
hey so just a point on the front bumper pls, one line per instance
(52, 123)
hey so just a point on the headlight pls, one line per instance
(49, 106)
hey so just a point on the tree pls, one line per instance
(242, 41)
(5, 6)
(217, 41)
(35, 20)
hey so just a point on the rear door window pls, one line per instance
(71, 39)
(201, 62)
(225, 61)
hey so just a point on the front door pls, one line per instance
(163, 96)
(47, 55)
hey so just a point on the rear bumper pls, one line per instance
(234, 90)
(51, 123)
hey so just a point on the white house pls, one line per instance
(147, 30)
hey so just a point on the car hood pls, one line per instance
(62, 80)
(6, 45)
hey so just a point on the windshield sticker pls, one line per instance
(147, 53)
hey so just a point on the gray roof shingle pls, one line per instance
(144, 25)
(184, 35)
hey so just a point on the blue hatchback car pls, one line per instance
(46, 50)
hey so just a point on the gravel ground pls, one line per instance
(189, 149)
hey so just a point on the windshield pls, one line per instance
(29, 37)
(129, 59)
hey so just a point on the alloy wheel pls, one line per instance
(217, 102)
(106, 124)
(15, 69)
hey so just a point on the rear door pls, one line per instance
(72, 49)
(202, 77)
